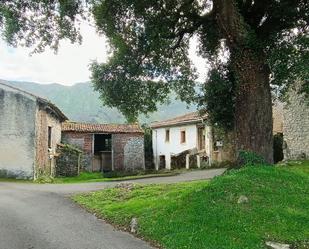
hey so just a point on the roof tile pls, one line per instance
(102, 128)
(184, 119)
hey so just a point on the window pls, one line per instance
(49, 137)
(167, 135)
(182, 137)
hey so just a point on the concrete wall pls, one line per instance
(174, 146)
(128, 151)
(45, 157)
(17, 133)
(296, 127)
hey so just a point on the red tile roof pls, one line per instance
(101, 128)
(193, 117)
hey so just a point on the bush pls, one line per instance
(44, 179)
(249, 158)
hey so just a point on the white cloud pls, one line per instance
(68, 66)
(71, 64)
(201, 64)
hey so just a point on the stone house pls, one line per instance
(30, 129)
(107, 147)
(191, 134)
(296, 125)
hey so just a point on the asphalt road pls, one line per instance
(34, 216)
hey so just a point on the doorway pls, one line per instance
(102, 149)
(201, 138)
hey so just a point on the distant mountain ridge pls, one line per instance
(81, 103)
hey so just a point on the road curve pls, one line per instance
(34, 216)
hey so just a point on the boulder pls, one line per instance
(275, 245)
(133, 225)
(125, 185)
(242, 199)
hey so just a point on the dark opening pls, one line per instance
(278, 147)
(161, 162)
(49, 136)
(102, 142)
(167, 135)
(182, 137)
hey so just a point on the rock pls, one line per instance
(125, 185)
(242, 199)
(133, 225)
(275, 245)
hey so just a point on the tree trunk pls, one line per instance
(253, 105)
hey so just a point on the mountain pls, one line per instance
(81, 103)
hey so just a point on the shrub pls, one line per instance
(249, 158)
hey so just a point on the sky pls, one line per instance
(71, 63)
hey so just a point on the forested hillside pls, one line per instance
(81, 103)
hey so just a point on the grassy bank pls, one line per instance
(206, 214)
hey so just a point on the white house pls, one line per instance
(188, 132)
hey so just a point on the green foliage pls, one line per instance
(150, 41)
(217, 98)
(150, 58)
(148, 147)
(44, 179)
(289, 63)
(40, 23)
(249, 158)
(204, 214)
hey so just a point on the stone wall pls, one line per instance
(45, 157)
(128, 151)
(277, 117)
(68, 161)
(80, 140)
(17, 133)
(84, 142)
(226, 152)
(296, 126)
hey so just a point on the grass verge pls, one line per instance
(206, 214)
(98, 177)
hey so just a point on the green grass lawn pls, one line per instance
(205, 214)
(99, 177)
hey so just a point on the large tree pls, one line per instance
(250, 45)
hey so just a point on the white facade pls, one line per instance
(181, 138)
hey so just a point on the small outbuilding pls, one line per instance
(107, 147)
(30, 129)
